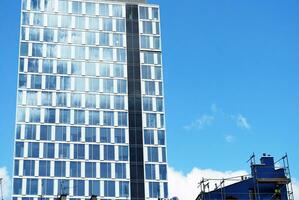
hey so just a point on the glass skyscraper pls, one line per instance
(90, 106)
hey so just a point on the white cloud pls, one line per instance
(296, 189)
(201, 122)
(242, 122)
(229, 138)
(6, 184)
(185, 186)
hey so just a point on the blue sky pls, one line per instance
(231, 81)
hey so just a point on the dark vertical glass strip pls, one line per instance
(135, 108)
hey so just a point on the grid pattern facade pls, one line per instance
(72, 132)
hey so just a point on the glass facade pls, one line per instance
(73, 123)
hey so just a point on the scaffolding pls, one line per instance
(220, 184)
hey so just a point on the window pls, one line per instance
(145, 42)
(149, 57)
(147, 27)
(154, 189)
(119, 102)
(33, 150)
(63, 35)
(49, 150)
(63, 6)
(77, 69)
(121, 86)
(75, 134)
(79, 117)
(63, 186)
(46, 99)
(90, 69)
(45, 132)
(161, 137)
(34, 34)
(25, 18)
(51, 51)
(163, 154)
(36, 81)
(22, 81)
(94, 188)
(64, 116)
(59, 168)
(65, 83)
(159, 104)
(118, 70)
(147, 104)
(79, 151)
(49, 5)
(35, 5)
(76, 37)
(17, 186)
(61, 67)
(60, 133)
(94, 23)
(104, 9)
(90, 134)
(108, 118)
(150, 171)
(76, 100)
(105, 170)
(19, 149)
(120, 170)
(94, 152)
(80, 84)
(30, 132)
(90, 8)
(163, 172)
(64, 151)
(80, 22)
(31, 186)
(47, 66)
(33, 65)
(108, 85)
(47, 187)
(155, 13)
(122, 119)
(44, 168)
(38, 19)
(149, 137)
(49, 115)
(120, 25)
(121, 55)
(152, 154)
(94, 53)
(107, 54)
(105, 101)
(124, 189)
(94, 85)
(108, 152)
(90, 38)
(120, 135)
(104, 70)
(150, 88)
(151, 120)
(165, 186)
(79, 188)
(156, 41)
(123, 153)
(29, 168)
(117, 10)
(90, 170)
(90, 101)
(76, 7)
(50, 82)
(75, 169)
(52, 20)
(118, 40)
(21, 114)
(105, 135)
(144, 13)
(109, 187)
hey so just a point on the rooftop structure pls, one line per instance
(268, 180)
